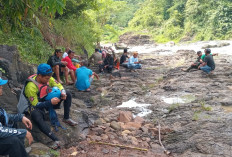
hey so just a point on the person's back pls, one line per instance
(83, 75)
(210, 61)
(97, 58)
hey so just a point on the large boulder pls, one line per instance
(16, 71)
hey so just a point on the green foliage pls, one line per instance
(15, 13)
(177, 19)
(30, 45)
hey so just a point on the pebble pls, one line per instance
(105, 151)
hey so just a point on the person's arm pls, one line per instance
(95, 75)
(8, 132)
(215, 54)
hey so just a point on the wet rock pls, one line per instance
(125, 116)
(115, 125)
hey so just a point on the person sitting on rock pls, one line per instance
(123, 58)
(203, 56)
(108, 64)
(208, 65)
(133, 62)
(34, 93)
(65, 54)
(84, 77)
(58, 66)
(96, 58)
(196, 64)
(11, 139)
(71, 67)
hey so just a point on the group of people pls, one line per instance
(106, 60)
(43, 93)
(204, 62)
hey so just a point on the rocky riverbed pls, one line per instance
(194, 111)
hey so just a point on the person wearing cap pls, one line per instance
(133, 62)
(208, 65)
(71, 67)
(196, 64)
(58, 66)
(108, 64)
(12, 139)
(84, 77)
(39, 105)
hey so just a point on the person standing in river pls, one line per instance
(208, 65)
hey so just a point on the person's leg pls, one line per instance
(13, 147)
(67, 105)
(138, 66)
(66, 71)
(109, 68)
(101, 68)
(38, 117)
(206, 69)
(56, 70)
(72, 74)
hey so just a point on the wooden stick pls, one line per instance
(118, 145)
(165, 150)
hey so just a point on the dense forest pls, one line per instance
(39, 26)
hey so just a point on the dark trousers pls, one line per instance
(108, 68)
(38, 116)
(13, 147)
(194, 66)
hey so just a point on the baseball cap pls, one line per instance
(44, 69)
(2, 82)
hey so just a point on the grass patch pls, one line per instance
(196, 115)
(54, 153)
(204, 107)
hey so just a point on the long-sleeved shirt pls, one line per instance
(7, 130)
(69, 63)
(132, 60)
(54, 60)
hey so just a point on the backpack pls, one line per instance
(24, 104)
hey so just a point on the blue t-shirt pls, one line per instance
(83, 75)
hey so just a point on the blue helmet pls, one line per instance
(55, 93)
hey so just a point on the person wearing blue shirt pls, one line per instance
(12, 139)
(84, 77)
(133, 62)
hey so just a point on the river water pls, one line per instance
(169, 48)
